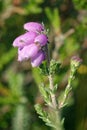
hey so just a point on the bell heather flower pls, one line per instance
(33, 26)
(25, 39)
(37, 59)
(30, 43)
(27, 52)
(42, 39)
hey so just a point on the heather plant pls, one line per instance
(34, 45)
(19, 82)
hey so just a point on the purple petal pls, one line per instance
(37, 60)
(25, 39)
(33, 26)
(27, 52)
(21, 56)
(42, 39)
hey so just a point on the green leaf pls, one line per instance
(44, 69)
(55, 88)
(43, 115)
(53, 14)
(54, 67)
(44, 93)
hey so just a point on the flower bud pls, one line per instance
(76, 61)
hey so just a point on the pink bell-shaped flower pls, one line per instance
(25, 39)
(42, 39)
(27, 52)
(33, 26)
(37, 59)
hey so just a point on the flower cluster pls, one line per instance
(30, 44)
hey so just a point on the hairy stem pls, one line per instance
(50, 77)
(53, 97)
(55, 116)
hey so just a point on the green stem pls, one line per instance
(67, 89)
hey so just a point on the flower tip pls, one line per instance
(33, 65)
(76, 60)
(19, 60)
(13, 44)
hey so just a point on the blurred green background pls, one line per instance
(67, 24)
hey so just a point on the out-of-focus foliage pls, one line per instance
(33, 6)
(67, 24)
(80, 4)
